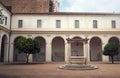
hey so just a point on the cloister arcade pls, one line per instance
(55, 49)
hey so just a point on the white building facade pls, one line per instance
(52, 30)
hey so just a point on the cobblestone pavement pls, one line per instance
(50, 70)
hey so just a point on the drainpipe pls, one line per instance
(9, 38)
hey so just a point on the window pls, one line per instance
(94, 23)
(58, 23)
(76, 23)
(113, 24)
(39, 23)
(5, 20)
(20, 23)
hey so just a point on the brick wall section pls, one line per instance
(6, 2)
(27, 6)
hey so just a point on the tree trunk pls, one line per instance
(112, 59)
(27, 56)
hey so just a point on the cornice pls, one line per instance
(67, 13)
(5, 29)
(65, 32)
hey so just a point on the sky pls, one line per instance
(90, 6)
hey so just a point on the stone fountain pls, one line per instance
(78, 62)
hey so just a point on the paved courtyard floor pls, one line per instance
(50, 70)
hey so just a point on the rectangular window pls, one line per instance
(5, 20)
(58, 24)
(113, 24)
(39, 23)
(95, 24)
(20, 23)
(76, 23)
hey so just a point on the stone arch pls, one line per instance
(76, 37)
(64, 39)
(3, 53)
(116, 41)
(95, 49)
(77, 48)
(18, 57)
(40, 57)
(58, 49)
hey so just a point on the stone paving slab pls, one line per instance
(50, 70)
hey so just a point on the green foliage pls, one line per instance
(110, 49)
(28, 46)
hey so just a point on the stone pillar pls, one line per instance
(66, 52)
(48, 52)
(30, 59)
(6, 52)
(84, 50)
(11, 52)
(69, 53)
(88, 52)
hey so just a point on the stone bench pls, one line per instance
(77, 60)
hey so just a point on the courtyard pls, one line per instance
(50, 70)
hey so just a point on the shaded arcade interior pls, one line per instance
(3, 53)
(95, 49)
(117, 42)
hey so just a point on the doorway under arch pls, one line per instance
(40, 57)
(58, 49)
(3, 48)
(18, 57)
(117, 42)
(95, 49)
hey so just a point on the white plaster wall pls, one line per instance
(67, 21)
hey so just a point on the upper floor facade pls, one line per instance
(66, 21)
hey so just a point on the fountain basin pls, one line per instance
(78, 67)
